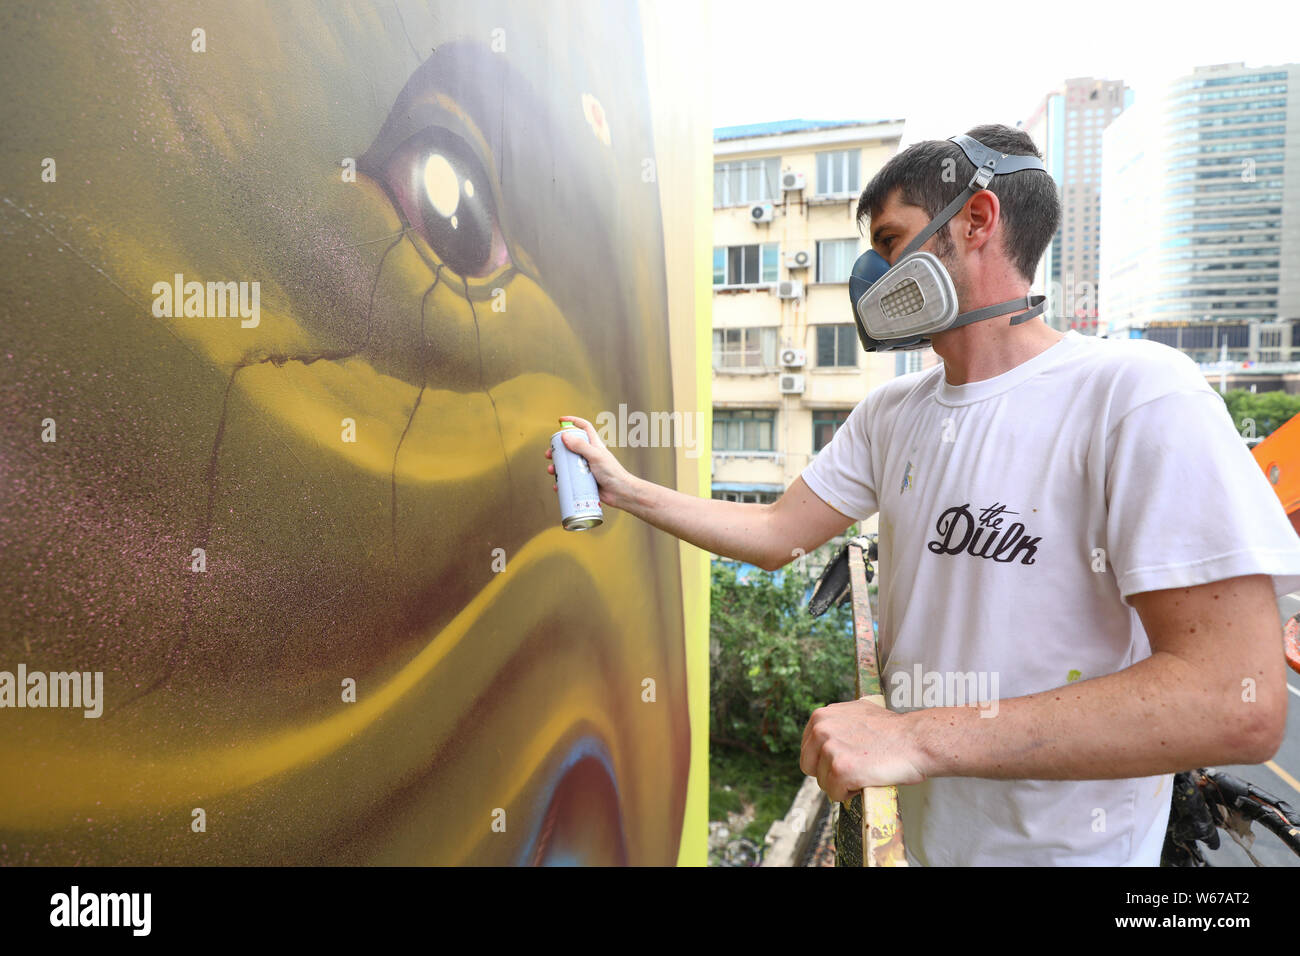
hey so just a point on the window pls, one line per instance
(906, 361)
(837, 345)
(742, 265)
(825, 424)
(748, 497)
(744, 348)
(736, 429)
(768, 263)
(837, 172)
(744, 182)
(835, 258)
(745, 265)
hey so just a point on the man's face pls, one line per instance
(898, 223)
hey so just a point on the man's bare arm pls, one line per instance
(1213, 692)
(763, 535)
(769, 536)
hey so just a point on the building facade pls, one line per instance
(787, 364)
(1201, 212)
(1067, 126)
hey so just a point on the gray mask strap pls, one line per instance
(940, 220)
(988, 163)
(1035, 304)
(1035, 309)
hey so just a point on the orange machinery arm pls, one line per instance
(1279, 456)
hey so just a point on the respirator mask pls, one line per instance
(899, 307)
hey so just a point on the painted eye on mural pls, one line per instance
(444, 194)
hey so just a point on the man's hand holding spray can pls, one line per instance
(586, 473)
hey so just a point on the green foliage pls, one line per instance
(723, 798)
(771, 663)
(768, 783)
(772, 802)
(1268, 410)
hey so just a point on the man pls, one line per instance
(1071, 523)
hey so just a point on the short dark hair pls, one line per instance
(1030, 207)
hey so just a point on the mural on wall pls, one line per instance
(293, 296)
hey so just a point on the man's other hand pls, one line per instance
(858, 744)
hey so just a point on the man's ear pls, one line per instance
(980, 218)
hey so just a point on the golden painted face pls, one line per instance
(304, 300)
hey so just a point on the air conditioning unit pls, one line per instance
(798, 260)
(760, 212)
(791, 384)
(791, 181)
(789, 289)
(794, 358)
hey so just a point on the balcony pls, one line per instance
(776, 457)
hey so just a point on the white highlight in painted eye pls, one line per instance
(469, 191)
(441, 185)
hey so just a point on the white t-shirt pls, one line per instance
(1098, 469)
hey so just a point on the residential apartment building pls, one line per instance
(1201, 213)
(787, 364)
(1067, 126)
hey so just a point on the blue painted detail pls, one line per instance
(583, 748)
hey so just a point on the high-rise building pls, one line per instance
(1067, 126)
(787, 364)
(1201, 212)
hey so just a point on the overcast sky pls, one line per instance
(933, 64)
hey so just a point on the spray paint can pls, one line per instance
(579, 495)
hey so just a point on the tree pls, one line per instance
(771, 662)
(1258, 415)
